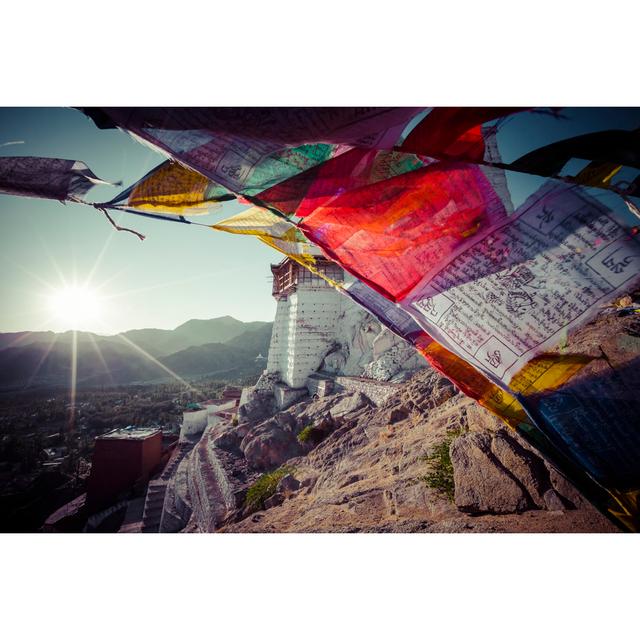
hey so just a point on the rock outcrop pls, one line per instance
(496, 471)
(481, 485)
(349, 404)
(367, 348)
(369, 473)
(270, 443)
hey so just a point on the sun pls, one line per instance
(75, 306)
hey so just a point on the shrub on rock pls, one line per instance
(265, 487)
(311, 435)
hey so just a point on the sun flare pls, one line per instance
(76, 305)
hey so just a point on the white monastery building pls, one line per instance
(321, 336)
(306, 322)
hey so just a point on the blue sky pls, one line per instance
(179, 272)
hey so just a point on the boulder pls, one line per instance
(260, 406)
(309, 483)
(285, 421)
(481, 483)
(242, 429)
(441, 390)
(274, 501)
(397, 414)
(480, 419)
(497, 472)
(228, 440)
(523, 464)
(239, 497)
(306, 412)
(268, 445)
(350, 404)
(287, 485)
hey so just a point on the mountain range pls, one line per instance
(218, 347)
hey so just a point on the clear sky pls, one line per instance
(179, 272)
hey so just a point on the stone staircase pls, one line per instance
(157, 489)
(153, 506)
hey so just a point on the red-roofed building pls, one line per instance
(122, 459)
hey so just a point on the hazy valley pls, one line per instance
(221, 348)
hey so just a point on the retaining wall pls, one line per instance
(376, 391)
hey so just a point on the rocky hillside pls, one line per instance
(429, 459)
(383, 470)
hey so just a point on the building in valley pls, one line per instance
(200, 415)
(122, 458)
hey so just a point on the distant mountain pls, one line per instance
(213, 359)
(22, 338)
(215, 330)
(157, 342)
(229, 349)
(255, 340)
(51, 365)
(162, 342)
